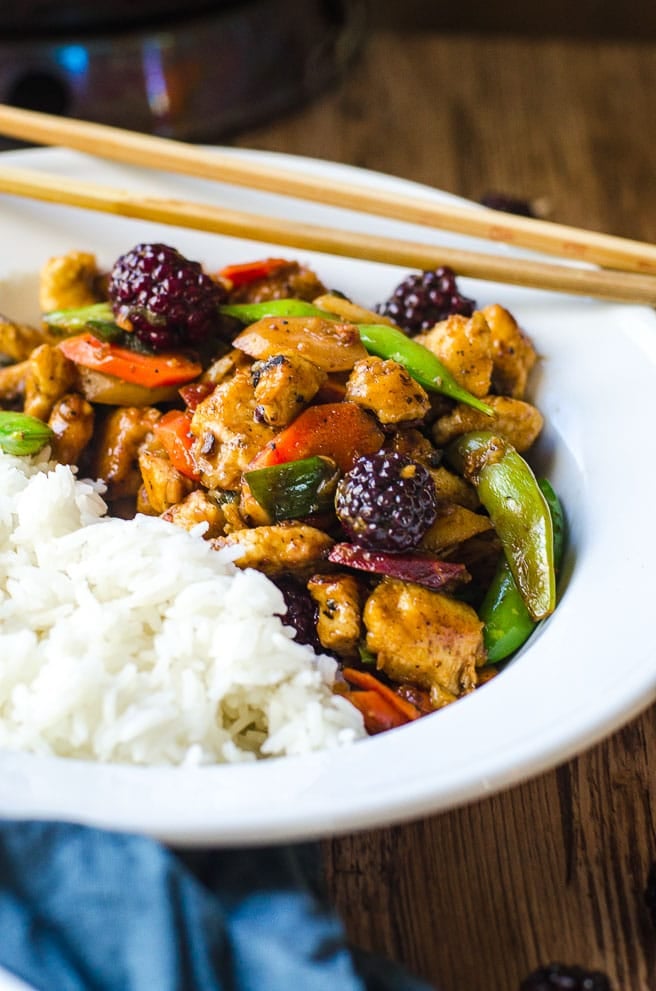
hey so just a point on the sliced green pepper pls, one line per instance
(519, 511)
(508, 623)
(252, 312)
(82, 318)
(21, 434)
(425, 367)
(295, 489)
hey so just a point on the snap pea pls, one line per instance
(82, 318)
(508, 623)
(423, 365)
(295, 489)
(21, 434)
(518, 509)
(252, 312)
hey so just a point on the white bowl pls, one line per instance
(587, 670)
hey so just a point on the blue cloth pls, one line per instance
(83, 909)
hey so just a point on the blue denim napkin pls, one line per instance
(83, 909)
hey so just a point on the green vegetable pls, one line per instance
(519, 511)
(21, 434)
(508, 623)
(296, 488)
(423, 365)
(83, 318)
(252, 312)
(366, 656)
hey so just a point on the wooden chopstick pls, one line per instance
(619, 286)
(163, 153)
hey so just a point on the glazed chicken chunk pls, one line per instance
(117, 446)
(425, 638)
(68, 282)
(513, 353)
(275, 550)
(197, 507)
(340, 613)
(228, 435)
(165, 486)
(50, 375)
(464, 346)
(17, 341)
(388, 390)
(71, 422)
(284, 384)
(518, 422)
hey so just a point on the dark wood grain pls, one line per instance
(554, 869)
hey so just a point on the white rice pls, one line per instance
(134, 641)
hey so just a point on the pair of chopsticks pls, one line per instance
(629, 267)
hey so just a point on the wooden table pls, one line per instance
(474, 899)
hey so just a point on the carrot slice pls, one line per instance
(341, 431)
(173, 430)
(379, 714)
(368, 682)
(150, 370)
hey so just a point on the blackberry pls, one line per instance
(508, 204)
(386, 502)
(422, 300)
(168, 300)
(558, 977)
(650, 894)
(302, 611)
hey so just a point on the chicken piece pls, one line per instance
(284, 384)
(424, 638)
(388, 390)
(197, 507)
(452, 488)
(69, 281)
(228, 436)
(290, 281)
(453, 525)
(50, 375)
(117, 446)
(143, 503)
(17, 341)
(464, 346)
(165, 485)
(512, 352)
(231, 511)
(275, 550)
(413, 444)
(71, 422)
(340, 612)
(518, 422)
(12, 382)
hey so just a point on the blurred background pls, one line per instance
(206, 69)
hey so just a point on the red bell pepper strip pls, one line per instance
(239, 275)
(173, 431)
(341, 431)
(150, 370)
(417, 566)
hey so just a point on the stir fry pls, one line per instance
(370, 462)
